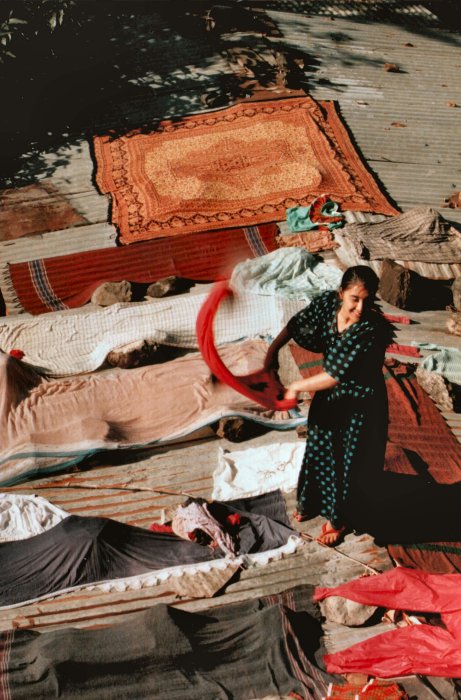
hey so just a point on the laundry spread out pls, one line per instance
(255, 470)
(167, 653)
(426, 649)
(68, 281)
(79, 340)
(322, 214)
(288, 272)
(80, 551)
(23, 516)
(51, 424)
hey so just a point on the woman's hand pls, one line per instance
(291, 392)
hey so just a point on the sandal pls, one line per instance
(299, 517)
(327, 532)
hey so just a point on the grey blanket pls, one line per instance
(83, 550)
(246, 650)
(420, 234)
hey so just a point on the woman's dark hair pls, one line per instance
(361, 274)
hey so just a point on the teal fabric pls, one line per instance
(292, 273)
(447, 362)
(298, 218)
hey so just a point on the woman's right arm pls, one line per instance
(271, 361)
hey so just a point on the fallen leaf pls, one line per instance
(409, 44)
(401, 125)
(391, 68)
(454, 201)
(452, 103)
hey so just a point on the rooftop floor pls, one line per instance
(407, 126)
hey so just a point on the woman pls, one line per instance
(347, 426)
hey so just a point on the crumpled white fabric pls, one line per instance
(23, 516)
(195, 516)
(293, 273)
(257, 470)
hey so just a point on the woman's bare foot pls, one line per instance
(299, 517)
(330, 536)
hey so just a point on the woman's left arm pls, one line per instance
(318, 382)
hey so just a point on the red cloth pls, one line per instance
(374, 690)
(68, 281)
(418, 649)
(262, 387)
(408, 350)
(158, 527)
(397, 319)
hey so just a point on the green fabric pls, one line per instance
(298, 218)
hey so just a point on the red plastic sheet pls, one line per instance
(263, 387)
(419, 649)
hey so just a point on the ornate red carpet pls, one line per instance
(239, 166)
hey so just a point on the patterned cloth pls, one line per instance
(239, 166)
(348, 423)
(313, 241)
(196, 516)
(373, 690)
(322, 214)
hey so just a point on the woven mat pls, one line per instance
(68, 281)
(235, 167)
(415, 424)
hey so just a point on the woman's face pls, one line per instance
(354, 301)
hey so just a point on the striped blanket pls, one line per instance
(68, 281)
(78, 340)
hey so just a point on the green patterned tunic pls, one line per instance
(347, 425)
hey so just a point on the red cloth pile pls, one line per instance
(419, 649)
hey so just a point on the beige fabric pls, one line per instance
(48, 423)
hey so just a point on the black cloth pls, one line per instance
(82, 550)
(245, 650)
